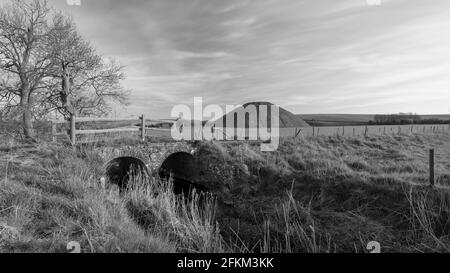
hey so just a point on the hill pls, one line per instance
(286, 118)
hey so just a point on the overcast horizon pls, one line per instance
(310, 57)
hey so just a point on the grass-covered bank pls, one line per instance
(323, 194)
(332, 194)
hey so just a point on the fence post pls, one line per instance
(72, 129)
(313, 131)
(297, 132)
(142, 127)
(353, 131)
(343, 130)
(432, 180)
(54, 132)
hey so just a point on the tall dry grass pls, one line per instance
(430, 219)
(299, 231)
(189, 223)
(55, 198)
(324, 194)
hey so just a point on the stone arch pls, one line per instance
(152, 154)
(181, 167)
(119, 170)
(156, 158)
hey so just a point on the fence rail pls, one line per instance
(239, 133)
(102, 131)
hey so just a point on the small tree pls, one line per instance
(46, 66)
(83, 82)
(24, 32)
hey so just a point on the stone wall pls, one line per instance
(152, 154)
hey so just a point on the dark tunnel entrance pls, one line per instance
(119, 169)
(182, 167)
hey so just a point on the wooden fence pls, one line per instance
(365, 130)
(347, 131)
(72, 132)
(143, 130)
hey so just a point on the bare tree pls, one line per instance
(24, 32)
(46, 66)
(83, 82)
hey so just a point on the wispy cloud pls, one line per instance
(310, 56)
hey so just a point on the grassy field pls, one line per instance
(322, 194)
(336, 119)
(350, 119)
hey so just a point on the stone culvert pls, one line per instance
(200, 166)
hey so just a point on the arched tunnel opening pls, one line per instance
(182, 168)
(119, 170)
(179, 166)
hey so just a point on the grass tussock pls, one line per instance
(57, 200)
(189, 224)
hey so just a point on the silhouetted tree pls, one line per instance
(24, 58)
(83, 82)
(46, 66)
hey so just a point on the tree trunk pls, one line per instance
(26, 113)
(65, 94)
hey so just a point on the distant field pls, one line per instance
(336, 119)
(351, 119)
(444, 117)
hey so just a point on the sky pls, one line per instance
(308, 56)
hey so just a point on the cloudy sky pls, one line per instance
(309, 56)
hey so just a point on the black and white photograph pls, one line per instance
(251, 128)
